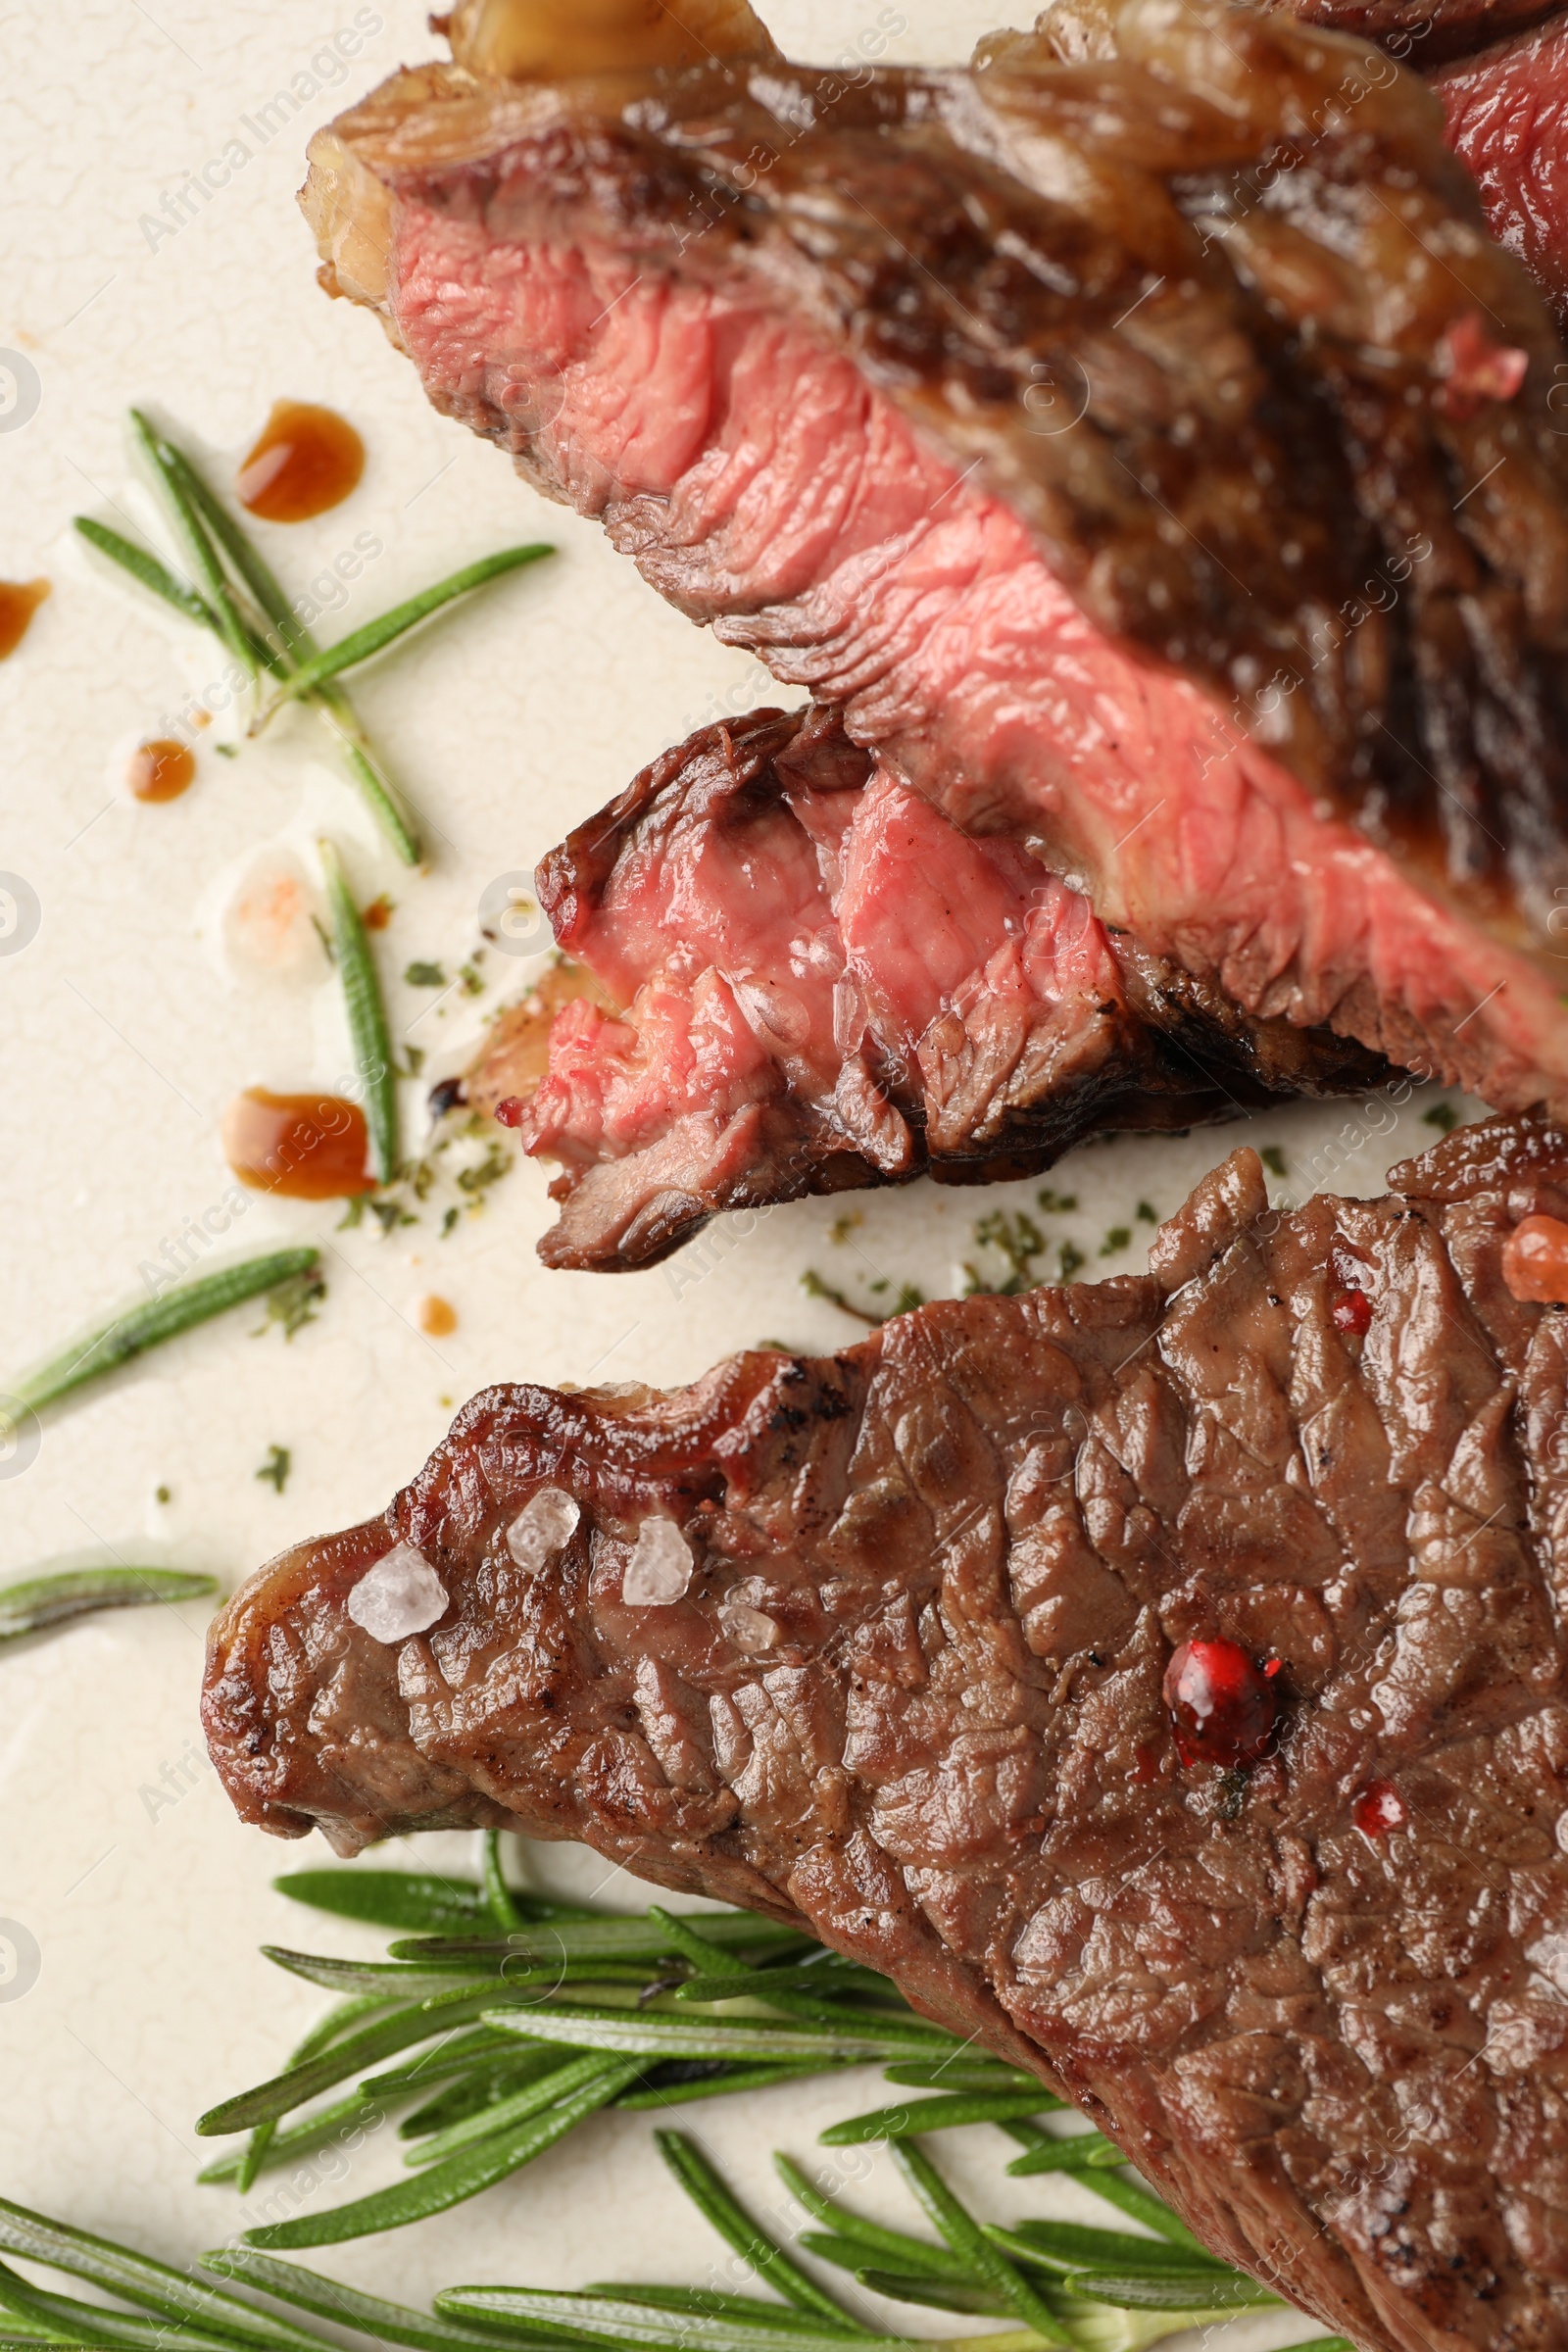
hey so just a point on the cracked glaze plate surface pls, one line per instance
(131, 1904)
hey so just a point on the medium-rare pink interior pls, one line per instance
(1507, 117)
(809, 979)
(740, 411)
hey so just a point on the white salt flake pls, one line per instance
(543, 1527)
(748, 1628)
(660, 1568)
(401, 1595)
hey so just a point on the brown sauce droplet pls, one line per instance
(438, 1317)
(378, 914)
(19, 602)
(307, 461)
(161, 770)
(306, 1146)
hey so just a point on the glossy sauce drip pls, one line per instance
(19, 602)
(307, 461)
(1379, 1809)
(161, 770)
(1223, 1706)
(306, 1146)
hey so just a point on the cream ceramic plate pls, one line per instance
(132, 1994)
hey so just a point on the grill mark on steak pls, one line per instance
(912, 1696)
(826, 986)
(711, 310)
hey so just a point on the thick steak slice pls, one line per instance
(1186, 519)
(815, 982)
(1508, 113)
(879, 1642)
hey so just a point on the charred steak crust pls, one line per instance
(912, 1694)
(1103, 436)
(934, 1033)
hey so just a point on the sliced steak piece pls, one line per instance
(1131, 474)
(1421, 34)
(825, 985)
(1507, 114)
(881, 1643)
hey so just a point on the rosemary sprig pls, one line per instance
(509, 2056)
(376, 635)
(367, 1012)
(39, 1601)
(141, 1327)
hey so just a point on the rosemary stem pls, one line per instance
(367, 1012)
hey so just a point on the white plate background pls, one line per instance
(124, 1034)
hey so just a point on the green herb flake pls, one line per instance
(226, 751)
(1273, 1159)
(1147, 1213)
(1118, 1239)
(1443, 1117)
(293, 1303)
(496, 1163)
(448, 1222)
(472, 980)
(839, 1232)
(1070, 1261)
(390, 1216)
(1057, 1204)
(426, 975)
(165, 1494)
(274, 1471)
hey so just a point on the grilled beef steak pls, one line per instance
(809, 980)
(1151, 455)
(882, 1643)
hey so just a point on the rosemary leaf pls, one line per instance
(710, 2303)
(939, 2294)
(629, 2323)
(270, 2147)
(736, 2226)
(931, 2114)
(724, 2084)
(1064, 2247)
(367, 1012)
(151, 2286)
(586, 1935)
(307, 2290)
(377, 635)
(970, 2243)
(233, 627)
(331, 2028)
(147, 1326)
(461, 2175)
(1217, 2296)
(903, 2252)
(481, 2088)
(144, 567)
(45, 1601)
(1140, 2204)
(413, 2022)
(388, 1898)
(652, 2034)
(498, 1896)
(963, 2071)
(1079, 2152)
(567, 2075)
